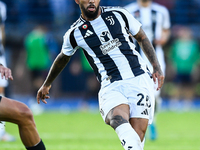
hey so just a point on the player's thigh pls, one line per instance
(112, 102)
(12, 111)
(121, 110)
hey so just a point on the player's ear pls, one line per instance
(77, 2)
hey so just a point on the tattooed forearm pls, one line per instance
(57, 66)
(148, 49)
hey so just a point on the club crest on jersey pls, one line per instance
(110, 18)
(108, 43)
(85, 26)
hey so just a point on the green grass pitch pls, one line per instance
(87, 131)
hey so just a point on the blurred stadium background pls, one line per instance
(75, 90)
(77, 81)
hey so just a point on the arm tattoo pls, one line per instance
(148, 49)
(57, 66)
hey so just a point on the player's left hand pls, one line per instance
(160, 78)
(42, 94)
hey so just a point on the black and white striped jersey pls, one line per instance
(154, 18)
(107, 45)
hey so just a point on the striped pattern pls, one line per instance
(157, 15)
(107, 45)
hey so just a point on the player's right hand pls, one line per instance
(42, 94)
(160, 78)
(6, 72)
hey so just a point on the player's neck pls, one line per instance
(144, 4)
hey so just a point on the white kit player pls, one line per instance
(126, 99)
(155, 22)
(3, 83)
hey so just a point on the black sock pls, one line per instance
(39, 146)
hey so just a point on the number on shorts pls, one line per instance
(140, 102)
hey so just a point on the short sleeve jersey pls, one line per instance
(107, 45)
(154, 18)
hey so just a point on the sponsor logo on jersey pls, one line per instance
(109, 44)
(88, 33)
(105, 36)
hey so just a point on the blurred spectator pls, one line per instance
(38, 56)
(41, 49)
(184, 56)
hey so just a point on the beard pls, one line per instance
(89, 14)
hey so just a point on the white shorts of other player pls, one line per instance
(3, 82)
(136, 92)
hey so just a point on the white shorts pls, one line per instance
(3, 82)
(137, 92)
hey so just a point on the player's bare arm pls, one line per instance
(56, 68)
(149, 51)
(5, 72)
